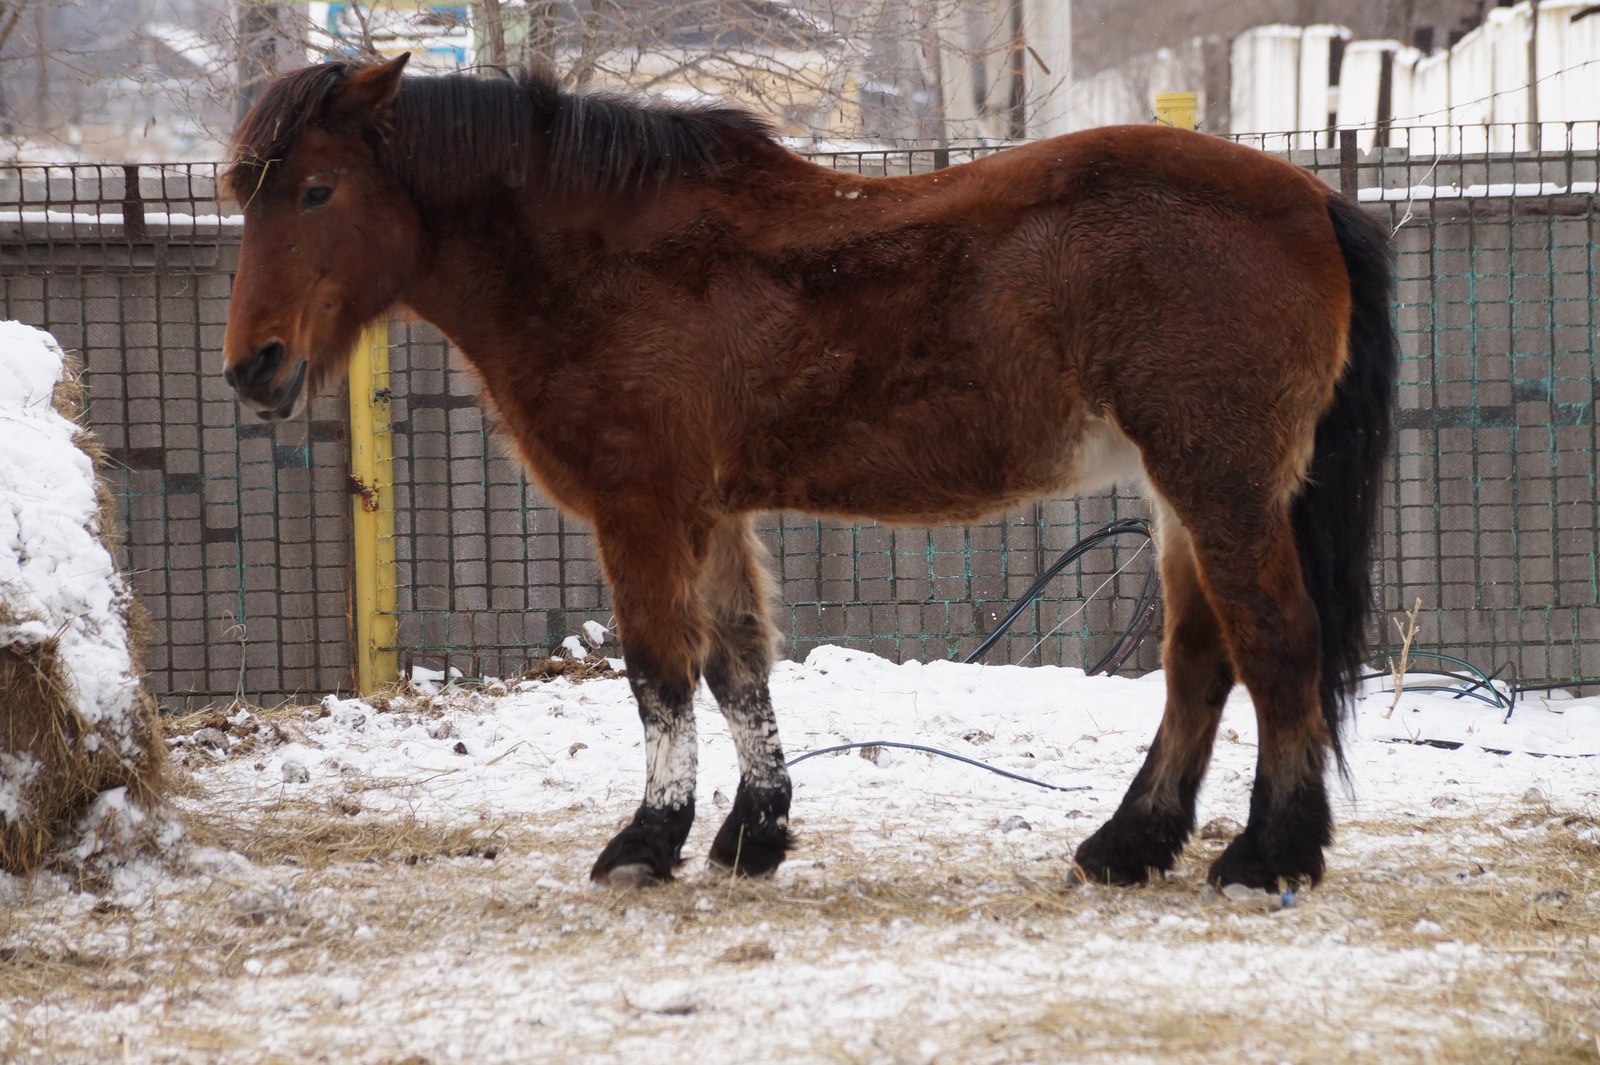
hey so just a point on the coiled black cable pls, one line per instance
(1144, 607)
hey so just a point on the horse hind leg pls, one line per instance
(736, 589)
(1150, 827)
(1272, 626)
(661, 623)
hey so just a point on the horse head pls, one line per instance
(331, 240)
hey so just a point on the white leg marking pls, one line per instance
(671, 759)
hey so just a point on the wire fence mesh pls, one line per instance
(238, 533)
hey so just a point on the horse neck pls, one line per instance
(505, 268)
(500, 253)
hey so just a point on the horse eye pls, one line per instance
(316, 196)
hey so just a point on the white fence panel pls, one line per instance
(1568, 63)
(1266, 66)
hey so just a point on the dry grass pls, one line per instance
(282, 722)
(467, 891)
(319, 836)
(207, 930)
(1540, 893)
(31, 678)
(76, 760)
(1534, 884)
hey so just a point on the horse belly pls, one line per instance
(962, 477)
(1102, 458)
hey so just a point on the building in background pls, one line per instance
(1521, 73)
(1110, 33)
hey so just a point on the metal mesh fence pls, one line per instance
(490, 573)
(235, 535)
(238, 534)
(1492, 508)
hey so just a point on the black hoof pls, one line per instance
(755, 838)
(1129, 850)
(647, 850)
(1282, 842)
(1246, 862)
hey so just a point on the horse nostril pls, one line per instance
(258, 368)
(269, 358)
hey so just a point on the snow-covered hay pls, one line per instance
(80, 755)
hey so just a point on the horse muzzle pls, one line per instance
(255, 381)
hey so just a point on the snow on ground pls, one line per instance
(419, 891)
(1506, 190)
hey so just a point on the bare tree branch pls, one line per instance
(10, 14)
(492, 48)
(850, 69)
(364, 20)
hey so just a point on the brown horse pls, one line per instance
(682, 324)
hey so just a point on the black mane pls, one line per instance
(450, 134)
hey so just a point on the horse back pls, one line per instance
(954, 342)
(933, 347)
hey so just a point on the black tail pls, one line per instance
(1335, 519)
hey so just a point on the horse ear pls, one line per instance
(370, 89)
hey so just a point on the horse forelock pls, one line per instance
(285, 110)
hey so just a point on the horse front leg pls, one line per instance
(661, 625)
(736, 589)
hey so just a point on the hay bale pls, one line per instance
(80, 750)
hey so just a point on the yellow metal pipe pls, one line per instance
(372, 503)
(1180, 109)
